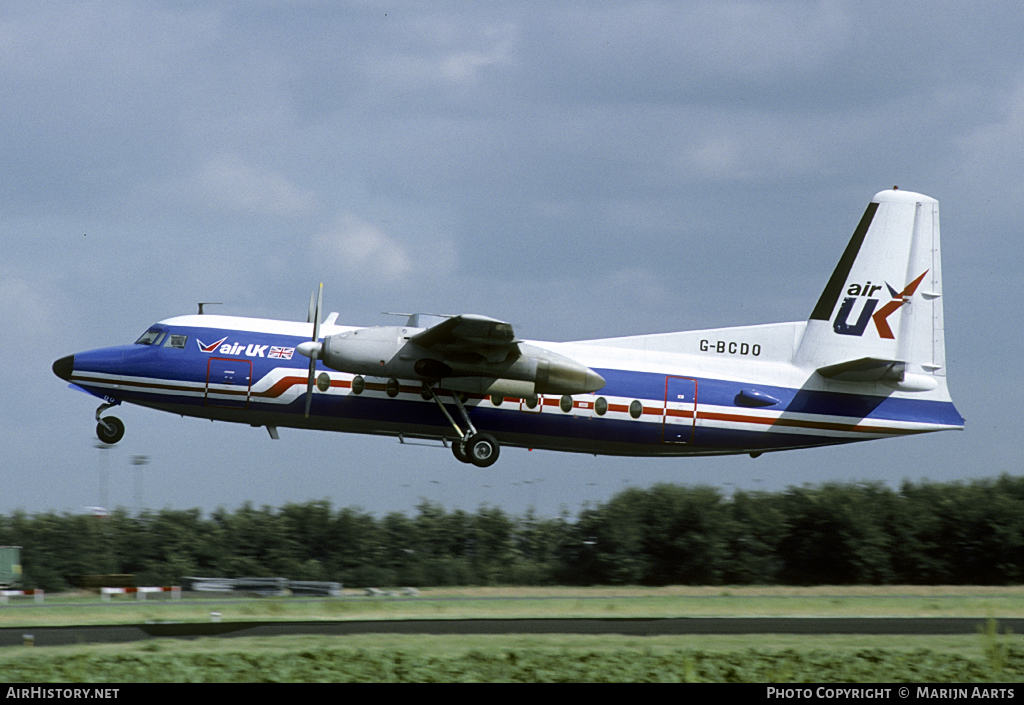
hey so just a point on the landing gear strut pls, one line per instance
(480, 449)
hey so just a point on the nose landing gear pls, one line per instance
(110, 429)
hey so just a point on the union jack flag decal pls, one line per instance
(282, 353)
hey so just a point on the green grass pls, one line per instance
(988, 656)
(381, 658)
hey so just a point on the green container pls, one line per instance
(10, 566)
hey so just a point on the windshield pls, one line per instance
(153, 336)
(156, 336)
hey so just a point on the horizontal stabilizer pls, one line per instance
(865, 369)
(892, 373)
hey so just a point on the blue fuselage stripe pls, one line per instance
(272, 392)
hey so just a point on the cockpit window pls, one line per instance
(153, 336)
(175, 341)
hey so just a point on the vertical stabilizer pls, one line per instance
(880, 315)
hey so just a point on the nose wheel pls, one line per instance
(110, 429)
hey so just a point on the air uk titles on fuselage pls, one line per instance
(247, 349)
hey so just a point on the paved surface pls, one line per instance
(111, 634)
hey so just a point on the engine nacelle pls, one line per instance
(524, 370)
(369, 351)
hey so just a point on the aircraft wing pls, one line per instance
(469, 333)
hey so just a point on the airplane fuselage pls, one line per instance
(694, 393)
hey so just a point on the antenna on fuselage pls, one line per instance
(208, 303)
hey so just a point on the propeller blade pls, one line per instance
(309, 385)
(316, 299)
(320, 302)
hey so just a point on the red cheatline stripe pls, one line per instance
(798, 423)
(285, 383)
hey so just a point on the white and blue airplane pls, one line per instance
(869, 363)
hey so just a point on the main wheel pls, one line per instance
(482, 450)
(110, 430)
(459, 451)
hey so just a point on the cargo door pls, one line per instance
(228, 382)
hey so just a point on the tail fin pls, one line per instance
(880, 316)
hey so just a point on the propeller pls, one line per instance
(312, 348)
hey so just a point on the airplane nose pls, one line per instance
(64, 367)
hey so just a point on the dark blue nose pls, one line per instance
(64, 367)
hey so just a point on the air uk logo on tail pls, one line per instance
(856, 292)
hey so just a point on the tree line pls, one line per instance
(862, 533)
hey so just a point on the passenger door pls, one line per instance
(680, 414)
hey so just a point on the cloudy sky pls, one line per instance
(579, 169)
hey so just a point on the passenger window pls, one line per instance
(601, 406)
(566, 403)
(636, 409)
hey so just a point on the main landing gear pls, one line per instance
(110, 429)
(480, 449)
